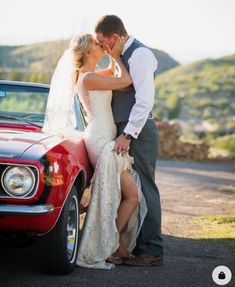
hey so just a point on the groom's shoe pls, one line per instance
(144, 260)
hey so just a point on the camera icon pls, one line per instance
(221, 275)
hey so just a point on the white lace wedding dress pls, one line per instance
(100, 236)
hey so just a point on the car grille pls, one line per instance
(3, 194)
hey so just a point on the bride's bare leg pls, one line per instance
(122, 251)
(127, 206)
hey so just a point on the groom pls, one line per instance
(137, 129)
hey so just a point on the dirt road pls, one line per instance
(191, 189)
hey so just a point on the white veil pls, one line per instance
(60, 116)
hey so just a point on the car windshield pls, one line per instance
(27, 105)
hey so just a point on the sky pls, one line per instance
(188, 30)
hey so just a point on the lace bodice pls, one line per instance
(83, 95)
(101, 127)
(97, 104)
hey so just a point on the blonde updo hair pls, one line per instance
(79, 46)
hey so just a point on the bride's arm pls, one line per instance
(93, 81)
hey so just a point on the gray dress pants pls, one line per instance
(145, 151)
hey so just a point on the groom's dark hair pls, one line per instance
(109, 25)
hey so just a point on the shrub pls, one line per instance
(225, 142)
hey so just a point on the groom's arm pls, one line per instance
(142, 64)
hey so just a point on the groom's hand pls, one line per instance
(117, 48)
(122, 145)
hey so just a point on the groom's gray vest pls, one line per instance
(124, 99)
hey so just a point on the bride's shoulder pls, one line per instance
(83, 78)
(90, 80)
(87, 76)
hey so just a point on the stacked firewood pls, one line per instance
(170, 145)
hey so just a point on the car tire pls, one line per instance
(57, 251)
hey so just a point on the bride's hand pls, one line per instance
(117, 48)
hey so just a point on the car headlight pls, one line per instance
(18, 180)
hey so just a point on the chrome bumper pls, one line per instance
(29, 210)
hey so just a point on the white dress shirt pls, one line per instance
(142, 65)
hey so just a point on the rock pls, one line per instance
(170, 145)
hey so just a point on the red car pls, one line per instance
(43, 177)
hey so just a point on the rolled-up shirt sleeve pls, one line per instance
(142, 65)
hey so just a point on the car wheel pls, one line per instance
(57, 250)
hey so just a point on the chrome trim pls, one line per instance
(36, 180)
(31, 210)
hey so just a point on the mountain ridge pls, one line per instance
(44, 56)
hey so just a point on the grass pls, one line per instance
(215, 152)
(227, 188)
(217, 227)
(226, 143)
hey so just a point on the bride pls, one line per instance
(113, 218)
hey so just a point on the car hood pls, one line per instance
(13, 144)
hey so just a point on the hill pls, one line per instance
(29, 59)
(165, 62)
(40, 59)
(201, 94)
